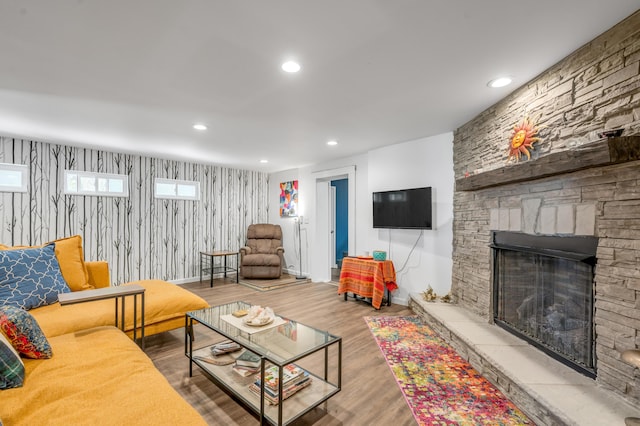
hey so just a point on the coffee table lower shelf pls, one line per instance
(237, 387)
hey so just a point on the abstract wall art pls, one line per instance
(289, 198)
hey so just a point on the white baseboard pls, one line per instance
(293, 272)
(205, 278)
(396, 301)
(220, 275)
(192, 279)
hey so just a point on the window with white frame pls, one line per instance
(177, 189)
(91, 183)
(13, 177)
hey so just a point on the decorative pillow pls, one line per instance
(30, 277)
(71, 259)
(24, 333)
(11, 366)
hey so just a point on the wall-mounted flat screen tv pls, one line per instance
(403, 209)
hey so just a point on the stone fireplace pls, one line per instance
(543, 293)
(576, 184)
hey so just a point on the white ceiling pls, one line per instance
(134, 75)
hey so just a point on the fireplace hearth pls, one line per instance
(543, 292)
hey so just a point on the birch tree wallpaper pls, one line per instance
(140, 236)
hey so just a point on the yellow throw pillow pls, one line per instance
(71, 259)
(3, 247)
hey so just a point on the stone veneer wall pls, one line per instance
(595, 88)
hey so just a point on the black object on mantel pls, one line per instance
(603, 152)
(611, 133)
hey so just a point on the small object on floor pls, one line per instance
(240, 313)
(632, 357)
(429, 295)
(446, 298)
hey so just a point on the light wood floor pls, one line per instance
(369, 395)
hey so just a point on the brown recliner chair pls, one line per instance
(263, 256)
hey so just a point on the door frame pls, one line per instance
(323, 237)
(332, 227)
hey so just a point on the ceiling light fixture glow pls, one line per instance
(264, 161)
(500, 82)
(199, 126)
(291, 66)
(332, 143)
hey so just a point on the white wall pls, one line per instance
(314, 247)
(423, 162)
(288, 224)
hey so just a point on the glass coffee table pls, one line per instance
(280, 343)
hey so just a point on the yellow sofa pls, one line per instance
(97, 376)
(165, 303)
(165, 306)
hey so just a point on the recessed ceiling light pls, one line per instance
(199, 126)
(264, 161)
(291, 66)
(332, 143)
(499, 82)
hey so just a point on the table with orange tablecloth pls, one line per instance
(367, 278)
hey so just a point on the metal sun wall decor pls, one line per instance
(523, 138)
(289, 198)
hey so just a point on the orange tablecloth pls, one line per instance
(367, 278)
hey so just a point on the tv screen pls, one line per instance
(404, 209)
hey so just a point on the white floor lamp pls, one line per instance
(300, 276)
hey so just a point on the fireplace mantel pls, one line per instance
(602, 152)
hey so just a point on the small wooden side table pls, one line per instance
(207, 263)
(117, 292)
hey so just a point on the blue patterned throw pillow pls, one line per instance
(30, 277)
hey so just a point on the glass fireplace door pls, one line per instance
(548, 301)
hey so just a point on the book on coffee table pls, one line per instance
(248, 359)
(289, 389)
(290, 372)
(225, 347)
(245, 371)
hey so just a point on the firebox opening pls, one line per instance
(543, 293)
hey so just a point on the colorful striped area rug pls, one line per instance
(440, 387)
